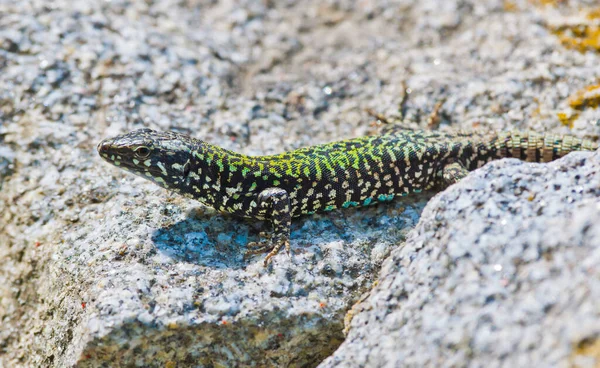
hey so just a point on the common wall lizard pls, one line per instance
(349, 173)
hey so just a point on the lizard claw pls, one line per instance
(273, 247)
(262, 246)
(252, 246)
(280, 244)
(265, 235)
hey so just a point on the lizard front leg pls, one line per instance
(274, 203)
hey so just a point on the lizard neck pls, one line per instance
(221, 178)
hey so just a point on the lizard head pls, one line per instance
(162, 157)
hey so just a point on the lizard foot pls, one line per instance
(280, 244)
(263, 246)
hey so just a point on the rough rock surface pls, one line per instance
(100, 268)
(502, 270)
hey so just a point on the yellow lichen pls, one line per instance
(581, 37)
(567, 119)
(548, 2)
(537, 112)
(587, 349)
(593, 14)
(589, 97)
(510, 6)
(172, 326)
(261, 336)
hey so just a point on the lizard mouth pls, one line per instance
(104, 147)
(110, 152)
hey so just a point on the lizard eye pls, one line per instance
(142, 152)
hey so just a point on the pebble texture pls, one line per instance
(100, 268)
(502, 270)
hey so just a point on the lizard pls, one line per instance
(348, 173)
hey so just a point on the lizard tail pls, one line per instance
(534, 147)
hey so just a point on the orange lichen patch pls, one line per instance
(548, 2)
(587, 348)
(593, 14)
(580, 37)
(567, 119)
(510, 6)
(587, 97)
(580, 30)
(172, 325)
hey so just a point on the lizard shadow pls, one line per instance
(205, 239)
(220, 241)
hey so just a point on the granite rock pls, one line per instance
(502, 270)
(100, 268)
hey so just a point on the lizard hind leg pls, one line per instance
(453, 173)
(396, 122)
(433, 120)
(275, 203)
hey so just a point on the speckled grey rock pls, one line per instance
(100, 268)
(7, 159)
(502, 270)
